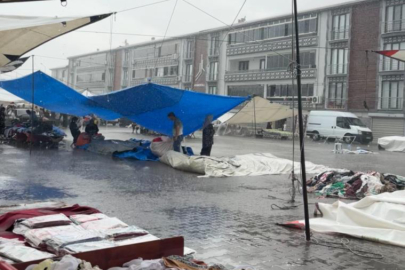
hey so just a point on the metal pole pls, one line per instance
(254, 113)
(301, 127)
(32, 104)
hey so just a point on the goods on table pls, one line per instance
(348, 184)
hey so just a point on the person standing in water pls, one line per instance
(177, 131)
(208, 136)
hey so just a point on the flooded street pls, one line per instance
(227, 220)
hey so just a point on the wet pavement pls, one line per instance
(226, 220)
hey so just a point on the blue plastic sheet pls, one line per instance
(140, 153)
(146, 105)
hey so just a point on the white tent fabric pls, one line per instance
(392, 143)
(20, 34)
(241, 165)
(8, 97)
(378, 218)
(262, 111)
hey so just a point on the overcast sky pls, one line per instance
(151, 20)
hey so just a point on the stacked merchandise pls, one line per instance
(44, 133)
(69, 262)
(354, 185)
(58, 234)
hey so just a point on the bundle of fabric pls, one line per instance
(19, 253)
(392, 143)
(68, 262)
(79, 219)
(241, 165)
(108, 147)
(351, 185)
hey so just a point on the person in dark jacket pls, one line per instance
(91, 128)
(208, 136)
(74, 128)
(2, 119)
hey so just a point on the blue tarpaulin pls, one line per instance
(147, 105)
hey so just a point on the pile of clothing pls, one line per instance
(43, 237)
(69, 262)
(45, 133)
(354, 185)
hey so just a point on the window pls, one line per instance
(342, 123)
(174, 71)
(103, 76)
(213, 74)
(245, 90)
(126, 57)
(63, 73)
(339, 62)
(244, 65)
(176, 48)
(337, 95)
(165, 71)
(340, 28)
(125, 77)
(214, 46)
(262, 63)
(276, 30)
(133, 74)
(189, 49)
(389, 64)
(286, 90)
(282, 62)
(392, 93)
(189, 72)
(395, 18)
(212, 90)
(159, 54)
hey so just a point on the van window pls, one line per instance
(341, 122)
(355, 122)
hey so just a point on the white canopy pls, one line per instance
(21, 34)
(262, 111)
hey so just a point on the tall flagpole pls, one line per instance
(301, 127)
(32, 105)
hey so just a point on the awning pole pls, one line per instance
(301, 127)
(254, 113)
(32, 105)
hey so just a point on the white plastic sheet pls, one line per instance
(36, 237)
(104, 224)
(137, 240)
(377, 218)
(46, 221)
(392, 143)
(125, 233)
(23, 253)
(79, 219)
(89, 246)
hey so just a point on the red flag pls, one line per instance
(395, 54)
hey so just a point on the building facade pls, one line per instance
(339, 69)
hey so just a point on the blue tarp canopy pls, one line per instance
(147, 105)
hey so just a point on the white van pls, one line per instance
(340, 125)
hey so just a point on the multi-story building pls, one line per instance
(339, 69)
(61, 74)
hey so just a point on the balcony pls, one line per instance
(167, 80)
(306, 105)
(170, 60)
(340, 69)
(339, 34)
(262, 74)
(336, 104)
(387, 103)
(391, 65)
(212, 77)
(394, 26)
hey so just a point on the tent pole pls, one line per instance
(32, 105)
(254, 113)
(301, 127)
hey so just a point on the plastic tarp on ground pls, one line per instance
(21, 34)
(260, 110)
(147, 105)
(240, 165)
(379, 218)
(392, 143)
